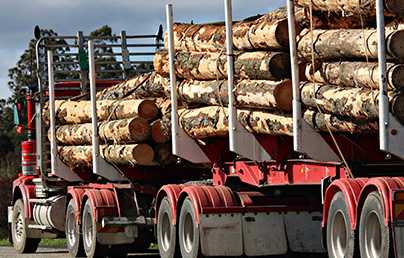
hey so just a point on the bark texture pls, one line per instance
(363, 7)
(213, 66)
(355, 74)
(78, 112)
(352, 103)
(320, 121)
(212, 121)
(347, 43)
(117, 131)
(132, 154)
(149, 85)
(249, 93)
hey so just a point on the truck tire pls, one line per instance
(188, 231)
(89, 229)
(374, 235)
(340, 236)
(74, 240)
(166, 231)
(21, 242)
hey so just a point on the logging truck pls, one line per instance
(249, 194)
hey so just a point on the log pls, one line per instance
(351, 103)
(212, 121)
(320, 121)
(356, 74)
(213, 66)
(269, 31)
(79, 112)
(149, 85)
(128, 130)
(160, 131)
(362, 7)
(348, 43)
(263, 94)
(78, 157)
(163, 154)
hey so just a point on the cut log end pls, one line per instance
(283, 96)
(397, 107)
(395, 6)
(281, 33)
(144, 154)
(139, 129)
(397, 76)
(160, 133)
(395, 44)
(280, 65)
(148, 110)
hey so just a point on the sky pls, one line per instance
(66, 17)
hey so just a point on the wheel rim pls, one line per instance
(188, 233)
(339, 234)
(88, 229)
(19, 226)
(71, 229)
(165, 232)
(373, 235)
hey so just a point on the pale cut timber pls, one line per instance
(79, 157)
(362, 7)
(128, 130)
(347, 43)
(259, 65)
(149, 85)
(263, 94)
(79, 112)
(324, 122)
(351, 103)
(212, 121)
(356, 74)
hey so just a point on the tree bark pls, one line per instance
(79, 112)
(363, 7)
(213, 66)
(352, 103)
(320, 121)
(249, 93)
(117, 131)
(355, 74)
(149, 85)
(348, 43)
(212, 121)
(77, 157)
(269, 31)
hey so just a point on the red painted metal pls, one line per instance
(28, 158)
(76, 193)
(30, 113)
(24, 185)
(298, 172)
(385, 186)
(351, 189)
(172, 192)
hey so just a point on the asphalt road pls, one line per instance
(6, 251)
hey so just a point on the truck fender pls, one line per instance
(22, 186)
(172, 192)
(203, 196)
(385, 186)
(77, 195)
(351, 189)
(104, 201)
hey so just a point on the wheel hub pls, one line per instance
(19, 226)
(339, 234)
(165, 233)
(373, 236)
(188, 237)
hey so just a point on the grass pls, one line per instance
(54, 243)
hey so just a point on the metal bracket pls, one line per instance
(241, 141)
(100, 166)
(58, 168)
(182, 145)
(305, 138)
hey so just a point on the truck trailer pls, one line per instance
(249, 195)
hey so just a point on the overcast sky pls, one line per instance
(18, 18)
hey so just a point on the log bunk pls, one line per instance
(339, 84)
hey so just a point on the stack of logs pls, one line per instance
(338, 71)
(127, 114)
